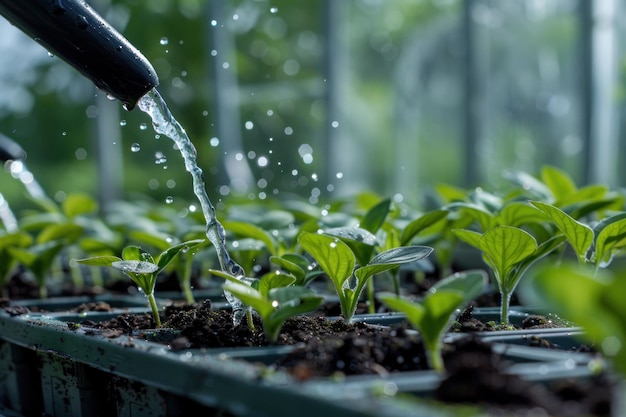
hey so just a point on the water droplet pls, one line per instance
(169, 199)
(143, 126)
(275, 303)
(249, 125)
(333, 244)
(159, 158)
(164, 41)
(135, 147)
(63, 133)
(335, 123)
(274, 10)
(262, 161)
(213, 22)
(50, 54)
(122, 123)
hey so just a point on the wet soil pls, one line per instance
(474, 373)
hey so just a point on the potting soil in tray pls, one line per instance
(322, 348)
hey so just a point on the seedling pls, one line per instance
(7, 259)
(274, 298)
(39, 259)
(339, 262)
(141, 267)
(432, 315)
(298, 266)
(596, 246)
(592, 300)
(509, 252)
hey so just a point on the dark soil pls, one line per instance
(475, 374)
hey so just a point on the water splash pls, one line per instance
(7, 217)
(164, 123)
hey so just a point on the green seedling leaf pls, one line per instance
(485, 219)
(468, 236)
(99, 261)
(337, 260)
(77, 204)
(360, 241)
(290, 265)
(519, 214)
(579, 235)
(274, 280)
(252, 231)
(39, 259)
(506, 246)
(593, 192)
(135, 253)
(375, 217)
(432, 316)
(471, 283)
(298, 266)
(610, 237)
(592, 300)
(275, 307)
(585, 208)
(560, 183)
(167, 256)
(69, 232)
(529, 184)
(158, 240)
(420, 224)
(392, 258)
(331, 254)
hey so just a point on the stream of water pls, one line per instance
(164, 123)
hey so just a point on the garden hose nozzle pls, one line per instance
(73, 31)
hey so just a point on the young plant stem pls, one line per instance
(505, 300)
(433, 355)
(185, 281)
(371, 301)
(250, 318)
(155, 309)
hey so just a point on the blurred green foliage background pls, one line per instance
(331, 98)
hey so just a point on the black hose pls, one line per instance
(10, 151)
(73, 31)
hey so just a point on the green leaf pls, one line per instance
(77, 204)
(375, 217)
(250, 297)
(402, 255)
(485, 219)
(468, 236)
(332, 255)
(593, 302)
(420, 224)
(579, 235)
(252, 231)
(99, 261)
(135, 253)
(610, 236)
(18, 239)
(559, 182)
(292, 264)
(506, 246)
(167, 256)
(470, 283)
(273, 280)
(529, 184)
(158, 240)
(519, 214)
(67, 231)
